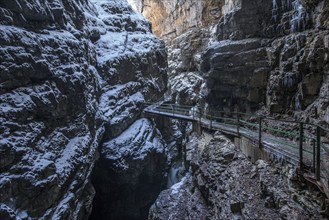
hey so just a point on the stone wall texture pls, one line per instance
(71, 73)
(258, 54)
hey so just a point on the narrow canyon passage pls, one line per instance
(76, 76)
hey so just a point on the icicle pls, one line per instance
(299, 16)
(275, 10)
(298, 106)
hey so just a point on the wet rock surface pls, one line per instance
(231, 187)
(300, 83)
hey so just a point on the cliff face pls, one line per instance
(287, 72)
(269, 55)
(171, 19)
(64, 82)
(187, 27)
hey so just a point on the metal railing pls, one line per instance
(302, 139)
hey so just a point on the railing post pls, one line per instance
(318, 149)
(210, 119)
(260, 132)
(238, 124)
(314, 154)
(301, 137)
(173, 109)
(200, 115)
(193, 113)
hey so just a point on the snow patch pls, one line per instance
(176, 187)
(136, 142)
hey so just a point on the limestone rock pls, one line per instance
(186, 88)
(170, 19)
(243, 19)
(50, 127)
(59, 64)
(234, 188)
(298, 82)
(129, 173)
(182, 201)
(236, 74)
(187, 27)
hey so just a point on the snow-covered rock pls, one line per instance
(130, 173)
(50, 126)
(172, 203)
(67, 68)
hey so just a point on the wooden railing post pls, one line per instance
(318, 149)
(193, 113)
(173, 109)
(301, 137)
(260, 132)
(200, 115)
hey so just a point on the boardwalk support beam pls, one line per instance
(196, 127)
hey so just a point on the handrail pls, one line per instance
(264, 117)
(246, 121)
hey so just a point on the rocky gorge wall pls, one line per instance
(187, 27)
(73, 73)
(253, 55)
(286, 73)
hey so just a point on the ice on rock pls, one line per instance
(299, 17)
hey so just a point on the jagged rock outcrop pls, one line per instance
(182, 201)
(300, 65)
(132, 64)
(228, 186)
(299, 81)
(64, 80)
(134, 67)
(187, 27)
(50, 126)
(293, 57)
(130, 173)
(170, 19)
(289, 73)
